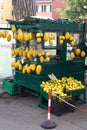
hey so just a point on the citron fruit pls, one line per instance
(72, 55)
(13, 29)
(47, 54)
(9, 37)
(50, 41)
(67, 36)
(28, 70)
(12, 52)
(20, 36)
(41, 59)
(46, 37)
(38, 69)
(39, 39)
(77, 51)
(72, 43)
(61, 42)
(83, 53)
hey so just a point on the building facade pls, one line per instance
(49, 8)
(6, 11)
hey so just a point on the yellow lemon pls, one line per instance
(51, 42)
(38, 69)
(46, 37)
(9, 37)
(41, 59)
(47, 54)
(28, 70)
(29, 36)
(72, 43)
(39, 39)
(12, 52)
(60, 41)
(48, 59)
(67, 36)
(13, 29)
(77, 51)
(83, 53)
(72, 55)
(20, 36)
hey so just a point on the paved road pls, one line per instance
(23, 113)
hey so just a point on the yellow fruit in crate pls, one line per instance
(72, 43)
(12, 52)
(83, 53)
(13, 29)
(38, 69)
(41, 59)
(72, 55)
(77, 51)
(28, 70)
(46, 37)
(67, 36)
(9, 37)
(51, 42)
(39, 39)
(47, 54)
(29, 36)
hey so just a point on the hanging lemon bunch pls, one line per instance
(13, 29)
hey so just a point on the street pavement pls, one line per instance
(22, 113)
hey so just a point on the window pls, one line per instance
(36, 8)
(50, 9)
(43, 8)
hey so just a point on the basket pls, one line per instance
(10, 86)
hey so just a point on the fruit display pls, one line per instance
(62, 86)
(40, 47)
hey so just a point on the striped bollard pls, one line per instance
(49, 124)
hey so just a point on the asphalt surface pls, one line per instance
(22, 113)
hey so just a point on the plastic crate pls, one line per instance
(79, 96)
(59, 109)
(10, 86)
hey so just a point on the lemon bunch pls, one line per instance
(77, 52)
(39, 37)
(62, 86)
(16, 64)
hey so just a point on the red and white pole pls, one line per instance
(49, 105)
(49, 124)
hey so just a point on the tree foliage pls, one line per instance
(24, 8)
(75, 9)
